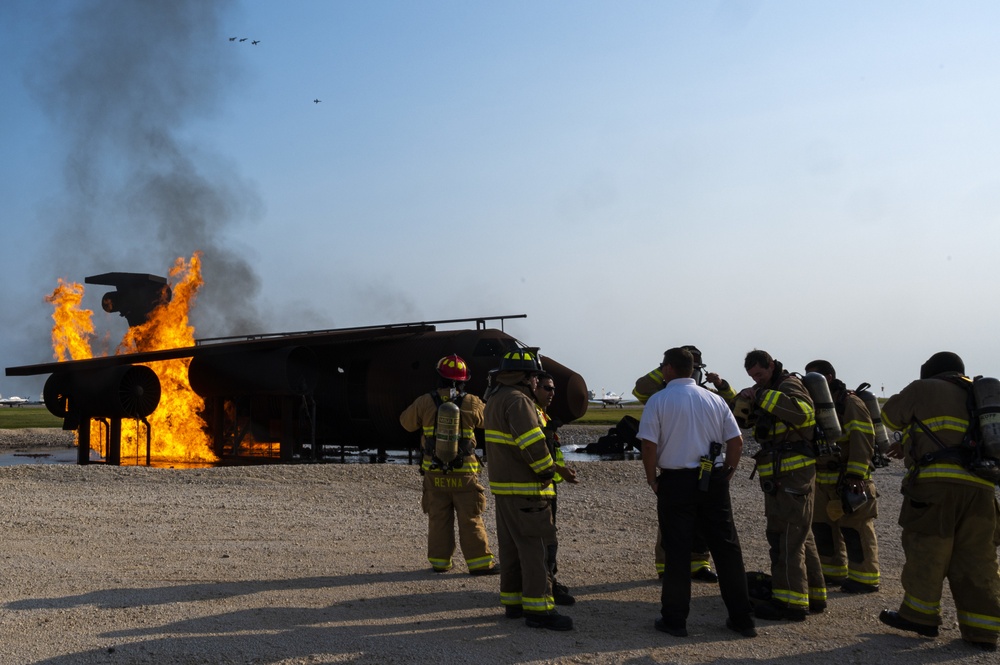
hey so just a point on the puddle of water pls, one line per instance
(42, 456)
(53, 455)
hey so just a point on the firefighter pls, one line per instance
(544, 393)
(450, 469)
(784, 420)
(846, 508)
(521, 472)
(949, 514)
(653, 382)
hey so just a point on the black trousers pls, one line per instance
(685, 511)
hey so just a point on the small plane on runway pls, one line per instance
(12, 401)
(609, 398)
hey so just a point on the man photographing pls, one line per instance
(678, 428)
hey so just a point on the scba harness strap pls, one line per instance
(968, 454)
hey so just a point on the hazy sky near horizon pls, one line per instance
(817, 179)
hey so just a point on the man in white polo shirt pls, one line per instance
(683, 430)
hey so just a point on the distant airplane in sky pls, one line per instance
(244, 39)
(609, 398)
(255, 42)
(12, 401)
(317, 101)
(232, 39)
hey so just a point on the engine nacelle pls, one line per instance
(125, 391)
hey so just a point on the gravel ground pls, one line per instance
(326, 564)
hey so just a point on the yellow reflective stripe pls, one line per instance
(921, 606)
(480, 562)
(533, 435)
(546, 604)
(656, 376)
(982, 621)
(770, 400)
(860, 426)
(859, 469)
(787, 464)
(698, 564)
(947, 423)
(467, 432)
(889, 424)
(827, 477)
(810, 413)
(727, 393)
(830, 570)
(817, 593)
(468, 467)
(940, 424)
(542, 464)
(440, 563)
(510, 597)
(945, 471)
(498, 437)
(523, 489)
(864, 578)
(791, 598)
(781, 428)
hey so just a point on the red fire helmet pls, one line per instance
(453, 368)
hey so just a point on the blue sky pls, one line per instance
(815, 179)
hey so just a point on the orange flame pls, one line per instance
(73, 327)
(177, 428)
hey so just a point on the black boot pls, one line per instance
(892, 618)
(552, 621)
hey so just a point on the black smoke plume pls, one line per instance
(132, 88)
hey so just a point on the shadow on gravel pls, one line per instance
(453, 623)
(182, 593)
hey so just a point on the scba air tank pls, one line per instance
(875, 411)
(446, 434)
(986, 392)
(826, 412)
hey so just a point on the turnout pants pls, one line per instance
(789, 513)
(684, 511)
(447, 498)
(846, 542)
(524, 532)
(951, 531)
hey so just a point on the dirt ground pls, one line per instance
(326, 564)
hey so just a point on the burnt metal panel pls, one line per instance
(287, 371)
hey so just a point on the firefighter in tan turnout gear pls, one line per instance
(447, 418)
(783, 419)
(645, 387)
(846, 508)
(521, 471)
(949, 513)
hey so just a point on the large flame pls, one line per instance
(176, 427)
(73, 328)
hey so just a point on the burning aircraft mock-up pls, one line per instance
(296, 396)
